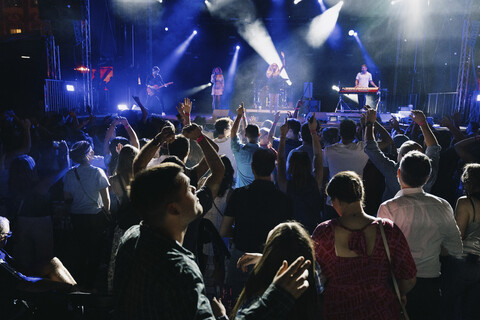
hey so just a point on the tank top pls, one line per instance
(471, 243)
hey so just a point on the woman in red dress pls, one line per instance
(353, 260)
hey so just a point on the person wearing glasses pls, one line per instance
(52, 276)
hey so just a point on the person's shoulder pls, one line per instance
(436, 199)
(322, 228)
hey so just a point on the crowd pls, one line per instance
(293, 219)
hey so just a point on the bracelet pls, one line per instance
(313, 131)
(422, 123)
(187, 114)
(200, 138)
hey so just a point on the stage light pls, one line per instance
(297, 1)
(122, 107)
(70, 87)
(237, 47)
(136, 108)
(322, 26)
(25, 57)
(335, 88)
(194, 31)
(355, 34)
(478, 97)
(351, 33)
(210, 84)
(166, 28)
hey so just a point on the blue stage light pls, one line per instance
(70, 87)
(237, 47)
(194, 31)
(166, 28)
(351, 33)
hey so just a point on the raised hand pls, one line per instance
(248, 259)
(192, 131)
(137, 100)
(293, 279)
(418, 117)
(218, 308)
(284, 129)
(187, 104)
(166, 135)
(276, 117)
(312, 122)
(241, 110)
(371, 115)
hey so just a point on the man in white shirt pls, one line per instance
(345, 155)
(428, 224)
(363, 79)
(222, 128)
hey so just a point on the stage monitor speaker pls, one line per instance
(220, 113)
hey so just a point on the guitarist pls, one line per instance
(154, 85)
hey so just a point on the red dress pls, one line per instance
(359, 287)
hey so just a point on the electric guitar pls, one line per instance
(152, 90)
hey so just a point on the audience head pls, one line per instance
(299, 168)
(471, 178)
(408, 146)
(400, 139)
(162, 196)
(4, 231)
(81, 152)
(286, 242)
(330, 135)
(346, 187)
(306, 135)
(348, 128)
(294, 128)
(223, 126)
(252, 133)
(264, 136)
(115, 143)
(414, 170)
(263, 163)
(176, 160)
(180, 147)
(267, 123)
(125, 161)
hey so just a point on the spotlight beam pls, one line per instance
(194, 90)
(322, 26)
(169, 64)
(230, 81)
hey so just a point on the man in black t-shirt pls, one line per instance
(254, 210)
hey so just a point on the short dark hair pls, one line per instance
(364, 65)
(153, 189)
(346, 186)
(294, 125)
(180, 147)
(348, 128)
(263, 162)
(408, 146)
(415, 168)
(330, 135)
(221, 125)
(306, 135)
(252, 131)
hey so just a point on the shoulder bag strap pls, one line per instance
(83, 188)
(395, 284)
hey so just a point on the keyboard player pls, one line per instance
(363, 80)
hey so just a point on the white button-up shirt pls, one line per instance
(428, 224)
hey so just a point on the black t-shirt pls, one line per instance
(257, 209)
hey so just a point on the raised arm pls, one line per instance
(236, 123)
(317, 151)
(202, 167)
(109, 135)
(142, 107)
(271, 133)
(133, 139)
(463, 149)
(419, 118)
(212, 158)
(456, 133)
(148, 151)
(184, 109)
(281, 161)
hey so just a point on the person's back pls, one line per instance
(345, 155)
(429, 226)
